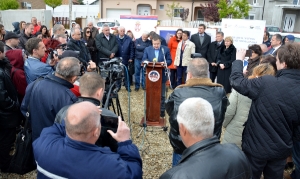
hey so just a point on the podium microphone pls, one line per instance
(154, 61)
(146, 62)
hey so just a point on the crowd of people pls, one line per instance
(53, 77)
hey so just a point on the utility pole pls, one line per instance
(70, 13)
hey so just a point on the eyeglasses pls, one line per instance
(88, 31)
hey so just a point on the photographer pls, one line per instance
(33, 67)
(91, 87)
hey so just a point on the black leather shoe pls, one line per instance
(143, 88)
(136, 89)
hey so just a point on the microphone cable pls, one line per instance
(128, 87)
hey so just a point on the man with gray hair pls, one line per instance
(198, 84)
(205, 157)
(94, 30)
(106, 43)
(58, 29)
(140, 44)
(46, 96)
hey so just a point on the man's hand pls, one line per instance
(123, 132)
(162, 63)
(91, 66)
(129, 60)
(54, 60)
(240, 54)
(222, 66)
(213, 64)
(112, 55)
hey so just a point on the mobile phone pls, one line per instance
(248, 53)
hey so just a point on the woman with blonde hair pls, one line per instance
(224, 60)
(237, 112)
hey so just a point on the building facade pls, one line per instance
(32, 4)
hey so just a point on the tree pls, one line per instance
(53, 3)
(80, 2)
(237, 9)
(9, 4)
(173, 10)
(210, 11)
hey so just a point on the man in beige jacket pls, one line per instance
(183, 55)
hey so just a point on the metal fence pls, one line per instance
(185, 24)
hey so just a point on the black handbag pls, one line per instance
(23, 159)
(131, 68)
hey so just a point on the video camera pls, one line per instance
(111, 70)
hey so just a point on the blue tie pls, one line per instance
(272, 50)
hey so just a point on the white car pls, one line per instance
(113, 24)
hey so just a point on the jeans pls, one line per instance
(173, 77)
(176, 159)
(138, 73)
(181, 71)
(272, 169)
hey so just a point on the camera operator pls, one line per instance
(91, 88)
(76, 44)
(106, 43)
(33, 66)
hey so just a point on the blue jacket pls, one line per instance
(126, 49)
(34, 69)
(45, 100)
(59, 156)
(140, 46)
(149, 55)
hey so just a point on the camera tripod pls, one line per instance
(109, 96)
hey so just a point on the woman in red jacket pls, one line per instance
(173, 43)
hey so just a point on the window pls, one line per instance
(250, 17)
(254, 2)
(295, 2)
(177, 12)
(161, 7)
(200, 16)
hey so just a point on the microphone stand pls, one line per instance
(144, 127)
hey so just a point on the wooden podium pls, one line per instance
(153, 81)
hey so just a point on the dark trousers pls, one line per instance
(181, 72)
(173, 75)
(125, 78)
(139, 73)
(213, 76)
(7, 139)
(272, 169)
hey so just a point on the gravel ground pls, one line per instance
(154, 146)
(155, 149)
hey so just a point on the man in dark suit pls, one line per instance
(212, 54)
(106, 43)
(201, 40)
(162, 54)
(276, 42)
(162, 40)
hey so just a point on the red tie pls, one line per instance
(182, 47)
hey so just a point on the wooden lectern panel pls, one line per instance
(153, 80)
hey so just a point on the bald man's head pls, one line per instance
(90, 25)
(83, 122)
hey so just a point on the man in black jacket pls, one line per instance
(106, 43)
(198, 85)
(11, 41)
(212, 54)
(91, 88)
(76, 44)
(201, 41)
(10, 116)
(205, 157)
(26, 35)
(274, 113)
